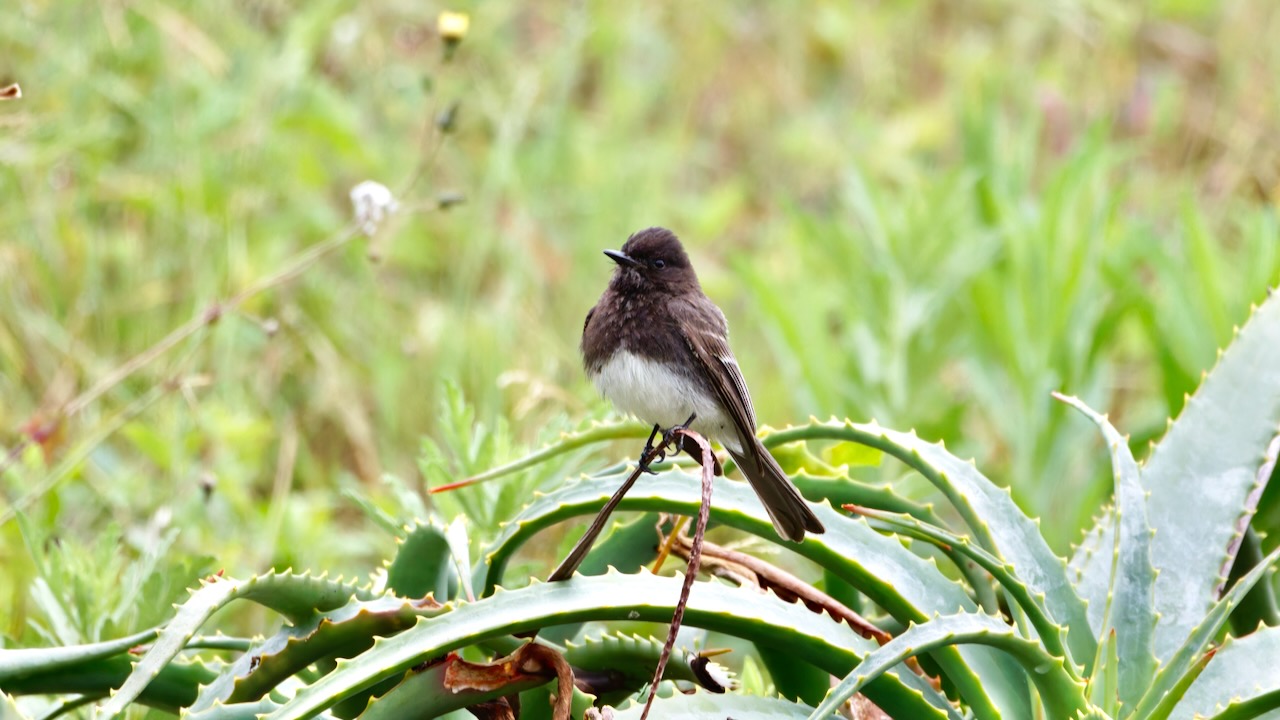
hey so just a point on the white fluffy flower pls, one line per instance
(372, 202)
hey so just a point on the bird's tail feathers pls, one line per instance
(790, 513)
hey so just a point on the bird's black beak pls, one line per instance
(622, 258)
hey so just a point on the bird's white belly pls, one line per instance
(655, 393)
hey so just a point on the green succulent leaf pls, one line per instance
(738, 611)
(627, 547)
(1172, 674)
(297, 597)
(1033, 606)
(1130, 604)
(595, 434)
(1173, 698)
(632, 659)
(905, 585)
(344, 632)
(1209, 460)
(1243, 670)
(424, 694)
(1062, 694)
(1104, 683)
(706, 705)
(844, 490)
(1091, 583)
(172, 688)
(243, 711)
(422, 564)
(795, 678)
(9, 709)
(996, 522)
(18, 663)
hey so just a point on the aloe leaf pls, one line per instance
(1260, 606)
(459, 556)
(1210, 461)
(626, 548)
(995, 521)
(537, 704)
(212, 595)
(18, 663)
(345, 632)
(1243, 669)
(1260, 707)
(1033, 606)
(1090, 566)
(629, 661)
(236, 711)
(1173, 698)
(1062, 695)
(794, 678)
(642, 597)
(1171, 674)
(298, 597)
(1104, 683)
(422, 564)
(294, 596)
(568, 442)
(706, 705)
(1130, 604)
(424, 694)
(9, 709)
(844, 490)
(905, 585)
(174, 687)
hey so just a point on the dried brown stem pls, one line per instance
(574, 559)
(579, 552)
(529, 662)
(767, 576)
(787, 586)
(708, 461)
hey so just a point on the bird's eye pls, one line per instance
(659, 264)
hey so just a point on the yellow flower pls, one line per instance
(452, 26)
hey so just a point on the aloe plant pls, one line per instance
(1131, 627)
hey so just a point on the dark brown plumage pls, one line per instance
(658, 348)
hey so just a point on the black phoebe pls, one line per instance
(659, 349)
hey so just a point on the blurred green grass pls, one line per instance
(930, 213)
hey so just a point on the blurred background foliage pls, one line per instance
(930, 213)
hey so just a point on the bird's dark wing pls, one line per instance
(586, 323)
(707, 335)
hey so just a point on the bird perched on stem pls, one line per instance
(658, 348)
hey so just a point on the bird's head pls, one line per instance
(653, 259)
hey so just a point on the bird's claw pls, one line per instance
(659, 453)
(669, 436)
(643, 463)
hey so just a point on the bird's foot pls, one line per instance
(688, 445)
(691, 446)
(645, 454)
(669, 436)
(652, 454)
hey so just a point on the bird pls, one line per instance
(657, 348)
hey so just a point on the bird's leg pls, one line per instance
(688, 444)
(648, 450)
(670, 435)
(691, 446)
(654, 454)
